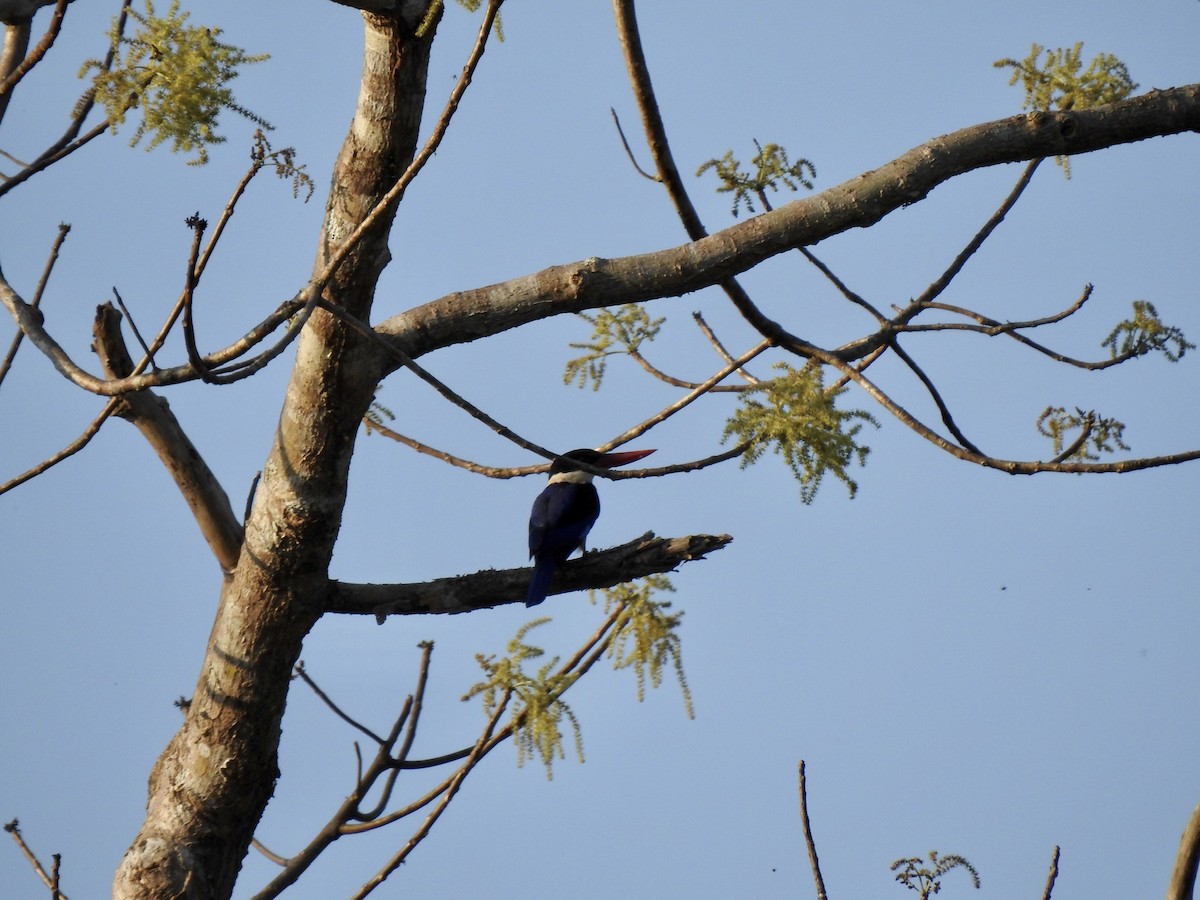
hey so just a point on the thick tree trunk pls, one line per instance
(209, 788)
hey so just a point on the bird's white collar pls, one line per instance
(573, 477)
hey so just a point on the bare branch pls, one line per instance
(719, 347)
(813, 862)
(1053, 876)
(477, 752)
(49, 158)
(11, 72)
(63, 230)
(842, 288)
(152, 416)
(629, 151)
(699, 391)
(66, 452)
(589, 284)
(50, 880)
(133, 327)
(935, 394)
(302, 673)
(992, 328)
(348, 810)
(387, 202)
(943, 281)
(662, 376)
(646, 555)
(1183, 877)
(1012, 467)
(477, 468)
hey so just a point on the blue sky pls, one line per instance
(971, 662)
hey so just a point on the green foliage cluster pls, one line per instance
(177, 74)
(613, 332)
(1101, 434)
(537, 717)
(926, 880)
(1144, 333)
(644, 637)
(798, 417)
(1060, 82)
(771, 168)
(647, 637)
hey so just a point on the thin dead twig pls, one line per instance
(813, 862)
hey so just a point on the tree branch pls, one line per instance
(63, 230)
(1183, 878)
(862, 201)
(151, 415)
(813, 862)
(1053, 874)
(647, 555)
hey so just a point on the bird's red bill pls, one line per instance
(611, 460)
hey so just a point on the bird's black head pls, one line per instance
(567, 462)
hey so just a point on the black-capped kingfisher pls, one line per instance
(565, 512)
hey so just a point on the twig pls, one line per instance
(719, 347)
(35, 56)
(63, 230)
(197, 226)
(268, 853)
(1012, 467)
(629, 152)
(70, 450)
(337, 825)
(410, 720)
(668, 174)
(502, 472)
(385, 203)
(133, 327)
(662, 376)
(1050, 879)
(808, 838)
(841, 286)
(943, 281)
(699, 391)
(46, 160)
(303, 675)
(452, 789)
(50, 880)
(935, 395)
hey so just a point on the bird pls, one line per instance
(565, 511)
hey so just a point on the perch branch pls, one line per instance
(646, 555)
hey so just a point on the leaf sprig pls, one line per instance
(771, 169)
(927, 879)
(178, 74)
(647, 635)
(1145, 333)
(614, 332)
(540, 711)
(1061, 82)
(1101, 434)
(797, 417)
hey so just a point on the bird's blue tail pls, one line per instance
(539, 587)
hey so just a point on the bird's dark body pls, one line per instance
(562, 516)
(565, 512)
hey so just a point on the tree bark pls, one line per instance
(208, 789)
(858, 203)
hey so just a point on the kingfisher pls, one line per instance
(565, 512)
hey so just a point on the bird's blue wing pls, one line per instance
(561, 518)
